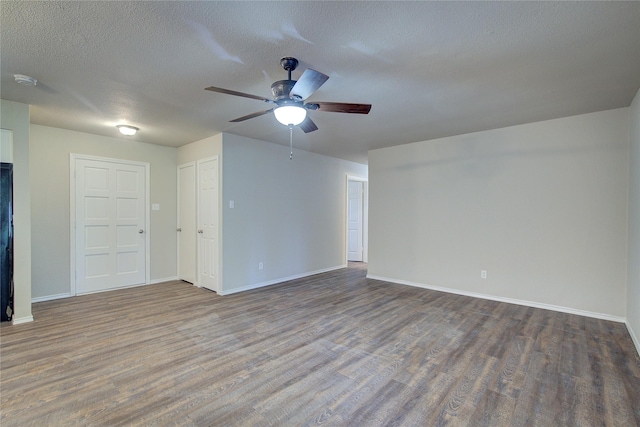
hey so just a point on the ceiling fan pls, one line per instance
(289, 96)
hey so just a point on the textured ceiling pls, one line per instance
(430, 69)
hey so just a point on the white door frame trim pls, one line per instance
(72, 212)
(365, 218)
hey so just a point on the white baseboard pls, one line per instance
(50, 297)
(21, 320)
(634, 337)
(280, 280)
(533, 304)
(151, 282)
(164, 279)
(68, 295)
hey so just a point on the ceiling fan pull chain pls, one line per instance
(291, 141)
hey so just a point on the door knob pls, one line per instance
(200, 231)
(140, 231)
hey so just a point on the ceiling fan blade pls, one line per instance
(251, 116)
(236, 93)
(342, 107)
(308, 125)
(308, 83)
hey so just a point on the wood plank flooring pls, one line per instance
(334, 349)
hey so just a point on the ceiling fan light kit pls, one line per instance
(289, 96)
(290, 114)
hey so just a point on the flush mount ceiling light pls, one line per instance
(290, 114)
(25, 80)
(127, 130)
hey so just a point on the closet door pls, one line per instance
(186, 228)
(110, 224)
(208, 221)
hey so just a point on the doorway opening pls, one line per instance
(356, 220)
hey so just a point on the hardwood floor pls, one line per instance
(333, 349)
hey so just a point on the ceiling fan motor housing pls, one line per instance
(282, 88)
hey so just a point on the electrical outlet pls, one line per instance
(261, 266)
(483, 274)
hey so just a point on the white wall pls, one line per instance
(289, 214)
(542, 207)
(50, 150)
(633, 291)
(14, 116)
(207, 147)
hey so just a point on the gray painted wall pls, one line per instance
(542, 207)
(50, 150)
(15, 116)
(289, 214)
(204, 148)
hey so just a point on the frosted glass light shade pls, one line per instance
(290, 114)
(127, 130)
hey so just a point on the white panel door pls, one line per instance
(187, 222)
(354, 220)
(110, 229)
(208, 190)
